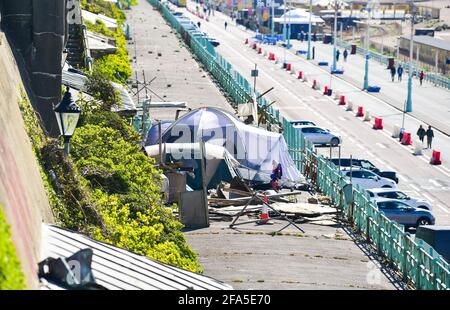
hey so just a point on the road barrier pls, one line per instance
(342, 100)
(349, 106)
(418, 147)
(325, 90)
(406, 138)
(378, 123)
(420, 268)
(360, 112)
(436, 158)
(396, 131)
(300, 75)
(288, 67)
(367, 117)
(314, 84)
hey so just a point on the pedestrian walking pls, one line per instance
(393, 73)
(430, 136)
(226, 24)
(421, 76)
(421, 133)
(337, 55)
(399, 72)
(345, 55)
(313, 52)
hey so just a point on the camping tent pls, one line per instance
(220, 165)
(251, 146)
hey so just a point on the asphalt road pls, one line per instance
(297, 100)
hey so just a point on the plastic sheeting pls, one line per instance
(251, 146)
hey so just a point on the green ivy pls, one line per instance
(11, 276)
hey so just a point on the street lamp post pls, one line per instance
(367, 45)
(284, 32)
(273, 16)
(289, 27)
(67, 115)
(334, 36)
(410, 71)
(308, 56)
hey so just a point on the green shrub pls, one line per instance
(99, 27)
(11, 276)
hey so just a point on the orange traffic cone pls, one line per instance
(264, 216)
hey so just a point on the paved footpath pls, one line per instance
(161, 54)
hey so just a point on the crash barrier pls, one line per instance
(367, 118)
(418, 147)
(406, 138)
(342, 100)
(325, 90)
(435, 78)
(435, 158)
(300, 75)
(349, 106)
(422, 269)
(360, 112)
(396, 131)
(378, 123)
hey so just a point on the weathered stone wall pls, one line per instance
(22, 193)
(37, 29)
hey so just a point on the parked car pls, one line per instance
(364, 163)
(318, 135)
(402, 213)
(368, 179)
(437, 237)
(299, 123)
(377, 193)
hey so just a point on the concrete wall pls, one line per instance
(22, 193)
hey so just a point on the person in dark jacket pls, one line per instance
(337, 55)
(345, 54)
(277, 172)
(421, 76)
(399, 72)
(393, 73)
(430, 136)
(421, 133)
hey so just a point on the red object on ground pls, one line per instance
(342, 100)
(406, 138)
(288, 67)
(300, 75)
(360, 111)
(259, 50)
(378, 123)
(273, 56)
(254, 46)
(436, 158)
(246, 41)
(325, 90)
(314, 84)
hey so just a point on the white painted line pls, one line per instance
(440, 169)
(342, 118)
(427, 197)
(442, 208)
(381, 145)
(360, 146)
(351, 140)
(390, 168)
(370, 154)
(401, 177)
(445, 168)
(380, 161)
(414, 188)
(435, 183)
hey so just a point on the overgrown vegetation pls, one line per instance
(114, 66)
(108, 189)
(11, 276)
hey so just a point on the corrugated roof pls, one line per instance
(431, 41)
(116, 268)
(78, 81)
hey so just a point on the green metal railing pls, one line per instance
(437, 79)
(423, 269)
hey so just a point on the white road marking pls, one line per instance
(442, 208)
(414, 188)
(401, 177)
(435, 183)
(427, 197)
(360, 146)
(381, 145)
(370, 154)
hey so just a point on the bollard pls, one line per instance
(378, 123)
(325, 90)
(314, 84)
(277, 60)
(406, 138)
(246, 41)
(288, 67)
(292, 70)
(367, 118)
(304, 78)
(360, 112)
(254, 46)
(300, 75)
(418, 147)
(259, 50)
(265, 53)
(436, 158)
(337, 95)
(342, 100)
(396, 132)
(349, 106)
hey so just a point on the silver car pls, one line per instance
(377, 193)
(318, 135)
(400, 212)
